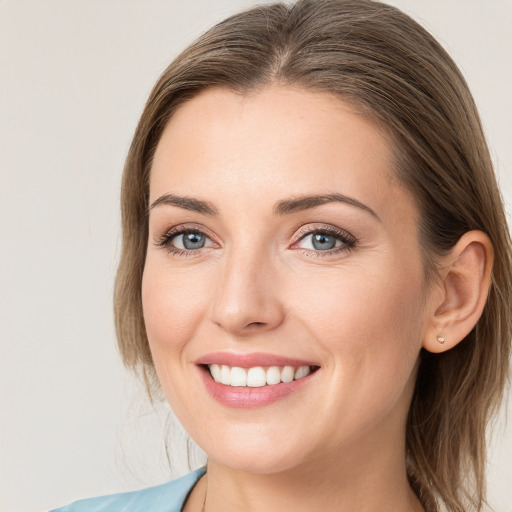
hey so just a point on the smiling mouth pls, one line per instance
(257, 376)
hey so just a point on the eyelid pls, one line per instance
(164, 238)
(187, 227)
(349, 241)
(309, 229)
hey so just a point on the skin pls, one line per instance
(258, 285)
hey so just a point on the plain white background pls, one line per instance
(74, 76)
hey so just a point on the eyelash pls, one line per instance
(164, 240)
(348, 242)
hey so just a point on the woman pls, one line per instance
(316, 268)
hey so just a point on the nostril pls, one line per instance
(255, 324)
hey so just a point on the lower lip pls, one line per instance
(247, 397)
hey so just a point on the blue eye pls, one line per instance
(191, 240)
(320, 242)
(323, 242)
(327, 241)
(317, 241)
(184, 241)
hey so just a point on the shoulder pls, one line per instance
(168, 497)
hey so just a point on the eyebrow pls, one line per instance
(188, 203)
(287, 206)
(302, 203)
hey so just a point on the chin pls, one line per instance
(254, 454)
(264, 464)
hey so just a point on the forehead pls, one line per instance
(276, 142)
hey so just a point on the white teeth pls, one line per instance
(216, 372)
(302, 371)
(273, 375)
(238, 376)
(288, 373)
(257, 376)
(225, 375)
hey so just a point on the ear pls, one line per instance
(459, 300)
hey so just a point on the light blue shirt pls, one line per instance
(168, 497)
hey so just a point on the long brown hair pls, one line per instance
(386, 65)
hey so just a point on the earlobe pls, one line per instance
(465, 278)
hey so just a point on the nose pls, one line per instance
(246, 299)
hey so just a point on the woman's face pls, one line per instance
(278, 237)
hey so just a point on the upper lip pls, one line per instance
(251, 360)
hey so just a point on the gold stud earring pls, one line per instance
(441, 339)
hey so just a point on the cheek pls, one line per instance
(369, 326)
(362, 308)
(172, 306)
